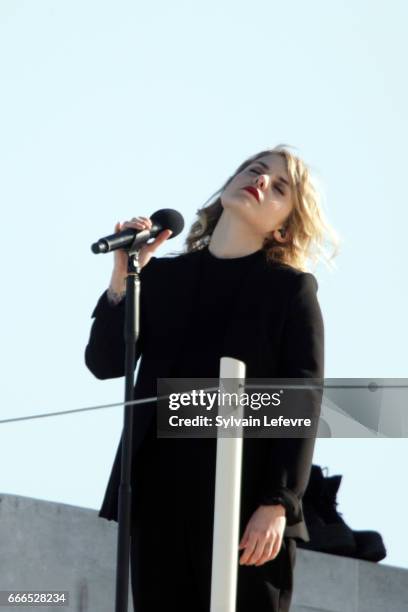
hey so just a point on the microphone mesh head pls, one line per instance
(168, 218)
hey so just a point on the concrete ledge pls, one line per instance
(329, 583)
(46, 545)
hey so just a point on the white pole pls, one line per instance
(227, 493)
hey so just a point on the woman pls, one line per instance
(239, 290)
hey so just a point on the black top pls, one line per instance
(219, 282)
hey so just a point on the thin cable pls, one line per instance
(76, 410)
(371, 386)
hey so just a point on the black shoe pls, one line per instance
(328, 530)
(370, 546)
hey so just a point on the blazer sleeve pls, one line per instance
(289, 460)
(105, 351)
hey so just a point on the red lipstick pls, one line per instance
(253, 191)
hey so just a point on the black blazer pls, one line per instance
(276, 328)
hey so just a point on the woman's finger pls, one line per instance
(136, 224)
(143, 219)
(249, 549)
(276, 547)
(162, 237)
(257, 552)
(266, 555)
(147, 219)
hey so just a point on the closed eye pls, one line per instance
(276, 185)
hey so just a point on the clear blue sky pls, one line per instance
(113, 109)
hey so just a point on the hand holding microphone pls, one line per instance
(147, 250)
(162, 225)
(139, 230)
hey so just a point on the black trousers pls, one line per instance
(172, 532)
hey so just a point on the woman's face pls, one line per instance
(260, 194)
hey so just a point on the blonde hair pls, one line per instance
(306, 225)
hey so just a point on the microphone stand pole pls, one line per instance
(131, 332)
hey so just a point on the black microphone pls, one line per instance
(166, 218)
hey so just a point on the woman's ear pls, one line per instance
(280, 235)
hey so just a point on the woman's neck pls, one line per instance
(231, 238)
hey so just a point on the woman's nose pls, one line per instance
(262, 181)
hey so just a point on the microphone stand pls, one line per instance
(131, 332)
